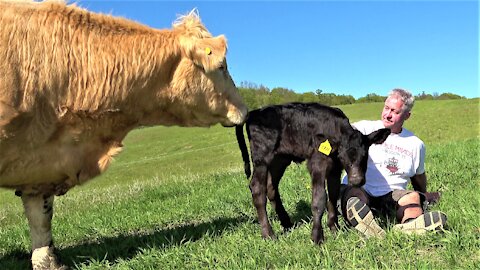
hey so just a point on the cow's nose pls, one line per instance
(236, 116)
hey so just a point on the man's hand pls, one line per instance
(432, 197)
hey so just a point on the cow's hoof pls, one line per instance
(44, 259)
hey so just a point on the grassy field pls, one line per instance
(177, 198)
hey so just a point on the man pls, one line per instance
(391, 166)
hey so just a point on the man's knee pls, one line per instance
(409, 199)
(409, 207)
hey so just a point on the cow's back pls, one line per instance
(66, 55)
(33, 57)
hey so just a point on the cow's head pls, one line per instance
(353, 153)
(202, 91)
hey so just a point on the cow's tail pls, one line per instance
(243, 149)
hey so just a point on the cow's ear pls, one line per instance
(379, 136)
(209, 53)
(325, 145)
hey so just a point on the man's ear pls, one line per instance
(379, 136)
(209, 53)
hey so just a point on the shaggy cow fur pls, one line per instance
(296, 132)
(73, 84)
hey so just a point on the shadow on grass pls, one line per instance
(17, 259)
(128, 246)
(303, 212)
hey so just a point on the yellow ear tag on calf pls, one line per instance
(208, 51)
(325, 148)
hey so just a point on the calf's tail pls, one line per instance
(243, 149)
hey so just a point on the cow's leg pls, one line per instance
(275, 173)
(258, 187)
(333, 186)
(39, 212)
(317, 167)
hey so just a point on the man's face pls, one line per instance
(393, 115)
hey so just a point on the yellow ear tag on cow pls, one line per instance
(325, 148)
(208, 51)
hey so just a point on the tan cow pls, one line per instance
(72, 85)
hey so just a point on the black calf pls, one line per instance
(296, 132)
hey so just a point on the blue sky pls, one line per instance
(342, 47)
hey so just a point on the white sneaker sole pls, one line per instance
(361, 218)
(429, 221)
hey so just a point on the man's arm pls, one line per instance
(419, 182)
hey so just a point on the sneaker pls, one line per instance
(361, 218)
(429, 221)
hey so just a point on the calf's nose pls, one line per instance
(356, 182)
(355, 178)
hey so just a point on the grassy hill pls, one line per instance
(177, 198)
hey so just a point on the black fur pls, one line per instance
(281, 134)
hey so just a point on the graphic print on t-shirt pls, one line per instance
(395, 157)
(392, 165)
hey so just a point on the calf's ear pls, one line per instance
(209, 53)
(325, 145)
(379, 136)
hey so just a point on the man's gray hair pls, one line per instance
(407, 98)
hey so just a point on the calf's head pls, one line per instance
(353, 153)
(202, 91)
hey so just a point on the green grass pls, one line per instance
(177, 198)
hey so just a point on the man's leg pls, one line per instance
(409, 207)
(355, 210)
(411, 215)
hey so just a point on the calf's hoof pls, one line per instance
(317, 238)
(44, 259)
(333, 228)
(267, 232)
(269, 237)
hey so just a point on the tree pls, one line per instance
(372, 97)
(449, 96)
(308, 97)
(424, 96)
(256, 96)
(281, 95)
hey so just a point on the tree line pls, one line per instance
(257, 96)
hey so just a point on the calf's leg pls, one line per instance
(39, 212)
(319, 196)
(275, 173)
(333, 186)
(258, 187)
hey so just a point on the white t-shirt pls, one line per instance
(392, 163)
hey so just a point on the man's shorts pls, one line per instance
(385, 204)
